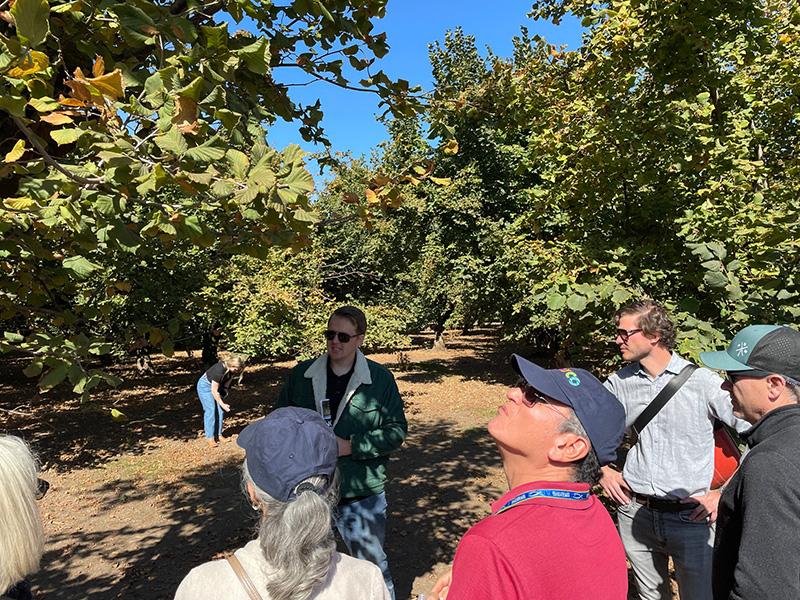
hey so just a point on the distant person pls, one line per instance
(360, 401)
(666, 505)
(548, 537)
(289, 475)
(212, 389)
(757, 545)
(21, 535)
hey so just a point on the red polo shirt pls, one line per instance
(543, 548)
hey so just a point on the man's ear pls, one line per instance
(775, 387)
(568, 447)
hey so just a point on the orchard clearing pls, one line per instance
(133, 505)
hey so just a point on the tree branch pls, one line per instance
(49, 159)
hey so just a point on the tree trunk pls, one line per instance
(209, 341)
(438, 338)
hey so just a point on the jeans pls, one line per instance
(650, 537)
(362, 526)
(212, 412)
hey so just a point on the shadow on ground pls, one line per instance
(69, 435)
(208, 516)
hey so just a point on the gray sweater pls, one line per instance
(757, 544)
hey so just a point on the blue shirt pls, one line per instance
(674, 457)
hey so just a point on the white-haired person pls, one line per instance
(21, 535)
(289, 475)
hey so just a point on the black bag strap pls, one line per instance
(662, 398)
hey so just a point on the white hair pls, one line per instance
(296, 537)
(21, 535)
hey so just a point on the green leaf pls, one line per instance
(13, 104)
(33, 369)
(620, 295)
(715, 279)
(32, 18)
(216, 37)
(54, 376)
(193, 90)
(127, 240)
(67, 136)
(576, 302)
(173, 142)
(256, 56)
(118, 415)
(205, 153)
(80, 265)
(44, 104)
(12, 336)
(555, 301)
(238, 161)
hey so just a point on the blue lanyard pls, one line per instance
(559, 494)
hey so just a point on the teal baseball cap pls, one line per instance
(768, 348)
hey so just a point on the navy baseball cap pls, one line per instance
(286, 447)
(598, 410)
(768, 348)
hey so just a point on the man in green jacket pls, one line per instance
(360, 400)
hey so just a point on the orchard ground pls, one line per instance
(134, 505)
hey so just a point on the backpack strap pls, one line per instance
(661, 399)
(245, 580)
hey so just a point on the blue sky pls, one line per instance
(410, 26)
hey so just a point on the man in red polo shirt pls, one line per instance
(548, 537)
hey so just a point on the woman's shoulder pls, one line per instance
(361, 580)
(216, 579)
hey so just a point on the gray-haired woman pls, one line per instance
(21, 536)
(289, 474)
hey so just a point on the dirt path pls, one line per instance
(133, 506)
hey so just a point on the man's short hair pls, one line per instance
(353, 314)
(653, 320)
(587, 469)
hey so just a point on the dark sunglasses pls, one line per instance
(734, 376)
(624, 334)
(532, 395)
(343, 337)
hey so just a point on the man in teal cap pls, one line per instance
(757, 544)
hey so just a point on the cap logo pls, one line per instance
(742, 349)
(571, 376)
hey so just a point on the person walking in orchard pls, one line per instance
(757, 545)
(359, 399)
(212, 389)
(666, 507)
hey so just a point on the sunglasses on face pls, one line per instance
(532, 396)
(734, 376)
(343, 337)
(624, 334)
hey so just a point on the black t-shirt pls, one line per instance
(222, 376)
(336, 387)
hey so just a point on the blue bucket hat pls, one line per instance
(286, 447)
(598, 410)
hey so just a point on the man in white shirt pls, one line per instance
(666, 507)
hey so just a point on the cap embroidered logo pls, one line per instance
(571, 376)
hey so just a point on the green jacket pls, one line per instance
(370, 415)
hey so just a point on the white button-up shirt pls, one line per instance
(674, 457)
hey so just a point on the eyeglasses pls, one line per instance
(343, 337)
(624, 334)
(734, 376)
(532, 396)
